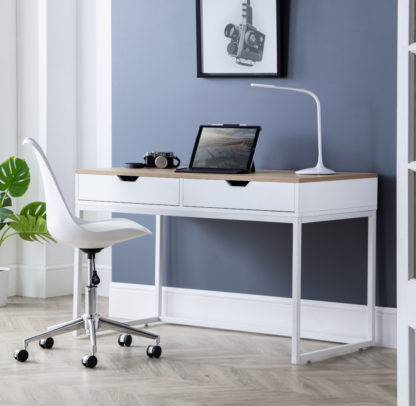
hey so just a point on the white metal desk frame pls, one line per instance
(249, 215)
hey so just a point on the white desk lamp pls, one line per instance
(320, 168)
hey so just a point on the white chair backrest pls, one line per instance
(59, 218)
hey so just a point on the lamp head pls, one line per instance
(292, 89)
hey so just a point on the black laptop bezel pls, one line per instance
(250, 159)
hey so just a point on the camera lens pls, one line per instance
(232, 48)
(232, 31)
(251, 38)
(161, 162)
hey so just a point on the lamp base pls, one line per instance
(319, 169)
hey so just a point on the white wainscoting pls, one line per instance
(12, 278)
(336, 322)
(51, 281)
(43, 281)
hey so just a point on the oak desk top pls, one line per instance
(261, 175)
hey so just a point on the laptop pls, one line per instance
(225, 148)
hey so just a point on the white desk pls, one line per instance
(266, 196)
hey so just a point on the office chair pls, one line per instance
(90, 237)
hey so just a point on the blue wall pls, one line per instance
(345, 51)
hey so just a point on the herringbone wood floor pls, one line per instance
(198, 367)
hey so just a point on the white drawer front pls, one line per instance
(343, 194)
(255, 196)
(144, 190)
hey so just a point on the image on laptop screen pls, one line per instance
(224, 147)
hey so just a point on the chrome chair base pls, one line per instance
(92, 322)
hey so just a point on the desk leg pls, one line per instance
(296, 289)
(77, 281)
(371, 277)
(158, 265)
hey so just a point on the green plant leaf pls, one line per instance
(30, 228)
(4, 213)
(14, 177)
(35, 209)
(7, 201)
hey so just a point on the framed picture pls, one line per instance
(238, 38)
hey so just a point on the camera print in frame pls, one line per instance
(238, 38)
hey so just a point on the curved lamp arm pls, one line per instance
(319, 169)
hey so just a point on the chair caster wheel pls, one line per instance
(125, 340)
(46, 343)
(89, 361)
(21, 355)
(154, 351)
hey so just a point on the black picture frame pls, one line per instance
(200, 43)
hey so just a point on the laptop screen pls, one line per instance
(219, 147)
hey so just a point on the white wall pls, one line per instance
(31, 109)
(94, 83)
(94, 102)
(55, 64)
(46, 79)
(61, 105)
(8, 108)
(7, 78)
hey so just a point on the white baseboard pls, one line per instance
(328, 321)
(51, 281)
(44, 281)
(12, 279)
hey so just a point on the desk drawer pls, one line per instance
(254, 196)
(144, 190)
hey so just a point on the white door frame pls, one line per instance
(94, 103)
(406, 283)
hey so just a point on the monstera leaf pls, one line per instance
(35, 209)
(4, 213)
(30, 228)
(14, 177)
(30, 224)
(5, 200)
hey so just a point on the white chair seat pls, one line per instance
(104, 233)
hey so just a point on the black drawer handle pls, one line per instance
(126, 178)
(238, 183)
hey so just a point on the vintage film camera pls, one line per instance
(161, 160)
(247, 43)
